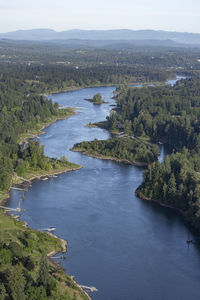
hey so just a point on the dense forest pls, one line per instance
(37, 78)
(167, 114)
(23, 107)
(69, 53)
(21, 112)
(125, 149)
(175, 183)
(27, 72)
(170, 115)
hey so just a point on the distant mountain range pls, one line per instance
(103, 35)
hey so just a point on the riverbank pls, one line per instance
(83, 295)
(42, 174)
(99, 156)
(106, 214)
(32, 174)
(27, 246)
(71, 89)
(71, 287)
(125, 149)
(34, 133)
(140, 195)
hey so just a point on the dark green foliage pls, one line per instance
(43, 273)
(174, 183)
(38, 78)
(19, 113)
(16, 283)
(68, 55)
(17, 251)
(3, 293)
(97, 99)
(21, 167)
(6, 256)
(28, 263)
(22, 108)
(34, 154)
(36, 293)
(132, 150)
(5, 172)
(22, 263)
(169, 114)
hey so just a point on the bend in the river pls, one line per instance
(126, 247)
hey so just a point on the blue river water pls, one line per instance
(127, 248)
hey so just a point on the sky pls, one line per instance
(171, 15)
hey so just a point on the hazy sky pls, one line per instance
(173, 15)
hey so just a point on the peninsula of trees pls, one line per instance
(170, 115)
(124, 149)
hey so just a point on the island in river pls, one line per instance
(97, 99)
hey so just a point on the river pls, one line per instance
(127, 248)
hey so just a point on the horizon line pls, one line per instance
(114, 29)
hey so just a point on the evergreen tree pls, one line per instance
(16, 283)
(43, 274)
(3, 293)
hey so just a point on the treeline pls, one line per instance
(171, 115)
(95, 53)
(23, 108)
(121, 149)
(21, 111)
(175, 183)
(56, 77)
(168, 114)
